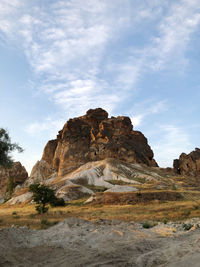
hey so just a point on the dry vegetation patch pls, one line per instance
(134, 206)
(136, 197)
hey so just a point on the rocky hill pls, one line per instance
(13, 176)
(94, 137)
(95, 153)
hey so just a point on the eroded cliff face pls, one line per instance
(94, 137)
(17, 174)
(188, 164)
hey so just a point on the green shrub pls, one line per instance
(14, 213)
(43, 195)
(165, 221)
(57, 202)
(188, 226)
(148, 225)
(139, 193)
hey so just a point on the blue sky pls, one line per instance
(136, 58)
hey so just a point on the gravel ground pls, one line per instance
(76, 242)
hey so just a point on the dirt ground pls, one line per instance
(76, 242)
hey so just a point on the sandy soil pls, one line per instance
(76, 242)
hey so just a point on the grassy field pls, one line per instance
(154, 210)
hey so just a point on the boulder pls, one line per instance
(94, 137)
(188, 164)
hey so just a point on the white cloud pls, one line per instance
(137, 119)
(74, 48)
(175, 31)
(172, 142)
(142, 110)
(49, 126)
(67, 41)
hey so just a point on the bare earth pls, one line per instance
(76, 242)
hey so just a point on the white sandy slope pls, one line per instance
(99, 173)
(76, 242)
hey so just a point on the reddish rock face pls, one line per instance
(18, 173)
(94, 137)
(188, 164)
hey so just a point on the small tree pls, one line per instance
(43, 195)
(6, 147)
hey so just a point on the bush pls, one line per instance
(57, 202)
(188, 226)
(148, 225)
(165, 221)
(43, 195)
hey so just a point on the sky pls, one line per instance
(137, 58)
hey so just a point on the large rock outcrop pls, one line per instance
(94, 137)
(15, 175)
(188, 164)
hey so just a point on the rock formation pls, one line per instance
(188, 164)
(15, 175)
(40, 172)
(94, 137)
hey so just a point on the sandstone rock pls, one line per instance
(26, 197)
(17, 173)
(40, 172)
(94, 137)
(188, 164)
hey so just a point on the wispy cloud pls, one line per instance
(142, 110)
(173, 140)
(84, 55)
(48, 125)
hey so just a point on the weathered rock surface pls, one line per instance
(188, 164)
(98, 176)
(73, 191)
(94, 137)
(40, 172)
(17, 173)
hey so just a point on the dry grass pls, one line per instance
(155, 210)
(136, 197)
